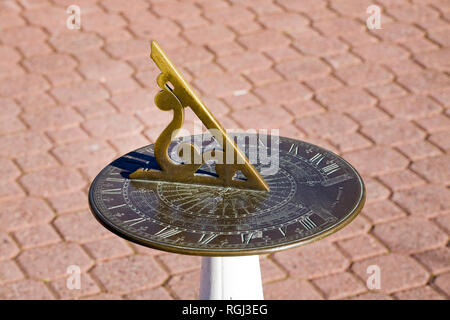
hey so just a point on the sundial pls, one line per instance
(220, 194)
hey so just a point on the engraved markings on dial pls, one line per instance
(205, 239)
(331, 168)
(169, 205)
(133, 222)
(167, 232)
(316, 159)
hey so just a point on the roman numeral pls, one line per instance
(134, 221)
(112, 191)
(293, 149)
(118, 206)
(167, 232)
(115, 179)
(316, 159)
(329, 169)
(283, 231)
(205, 239)
(307, 223)
(247, 237)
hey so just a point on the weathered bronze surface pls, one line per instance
(176, 95)
(313, 194)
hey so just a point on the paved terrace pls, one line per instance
(73, 100)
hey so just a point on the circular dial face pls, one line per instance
(313, 193)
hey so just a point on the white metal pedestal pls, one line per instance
(231, 278)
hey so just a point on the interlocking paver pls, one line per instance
(87, 287)
(375, 190)
(66, 135)
(425, 201)
(79, 227)
(371, 296)
(270, 271)
(288, 22)
(222, 86)
(80, 92)
(436, 123)
(347, 98)
(435, 169)
(186, 286)
(244, 63)
(8, 171)
(253, 117)
(377, 160)
(422, 293)
(176, 265)
(327, 125)
(22, 84)
(388, 91)
(381, 52)
(113, 126)
(25, 290)
(9, 272)
(419, 150)
(343, 60)
(398, 272)
(209, 35)
(327, 82)
(52, 118)
(291, 289)
(426, 82)
(365, 75)
(443, 222)
(339, 285)
(105, 69)
(394, 132)
(52, 181)
(435, 59)
(74, 42)
(82, 153)
(305, 68)
(350, 142)
(410, 235)
(34, 101)
(369, 115)
(443, 283)
(382, 211)
(264, 40)
(25, 213)
(435, 260)
(107, 249)
(49, 63)
(52, 261)
(8, 248)
(359, 226)
(37, 236)
(312, 261)
(129, 274)
(401, 180)
(73, 100)
(22, 35)
(361, 247)
(159, 293)
(283, 92)
(242, 101)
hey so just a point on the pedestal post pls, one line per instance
(231, 278)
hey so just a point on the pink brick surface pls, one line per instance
(73, 100)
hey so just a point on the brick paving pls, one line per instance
(73, 100)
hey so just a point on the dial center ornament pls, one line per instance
(181, 195)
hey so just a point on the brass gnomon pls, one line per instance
(176, 95)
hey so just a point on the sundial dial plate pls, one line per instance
(313, 194)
